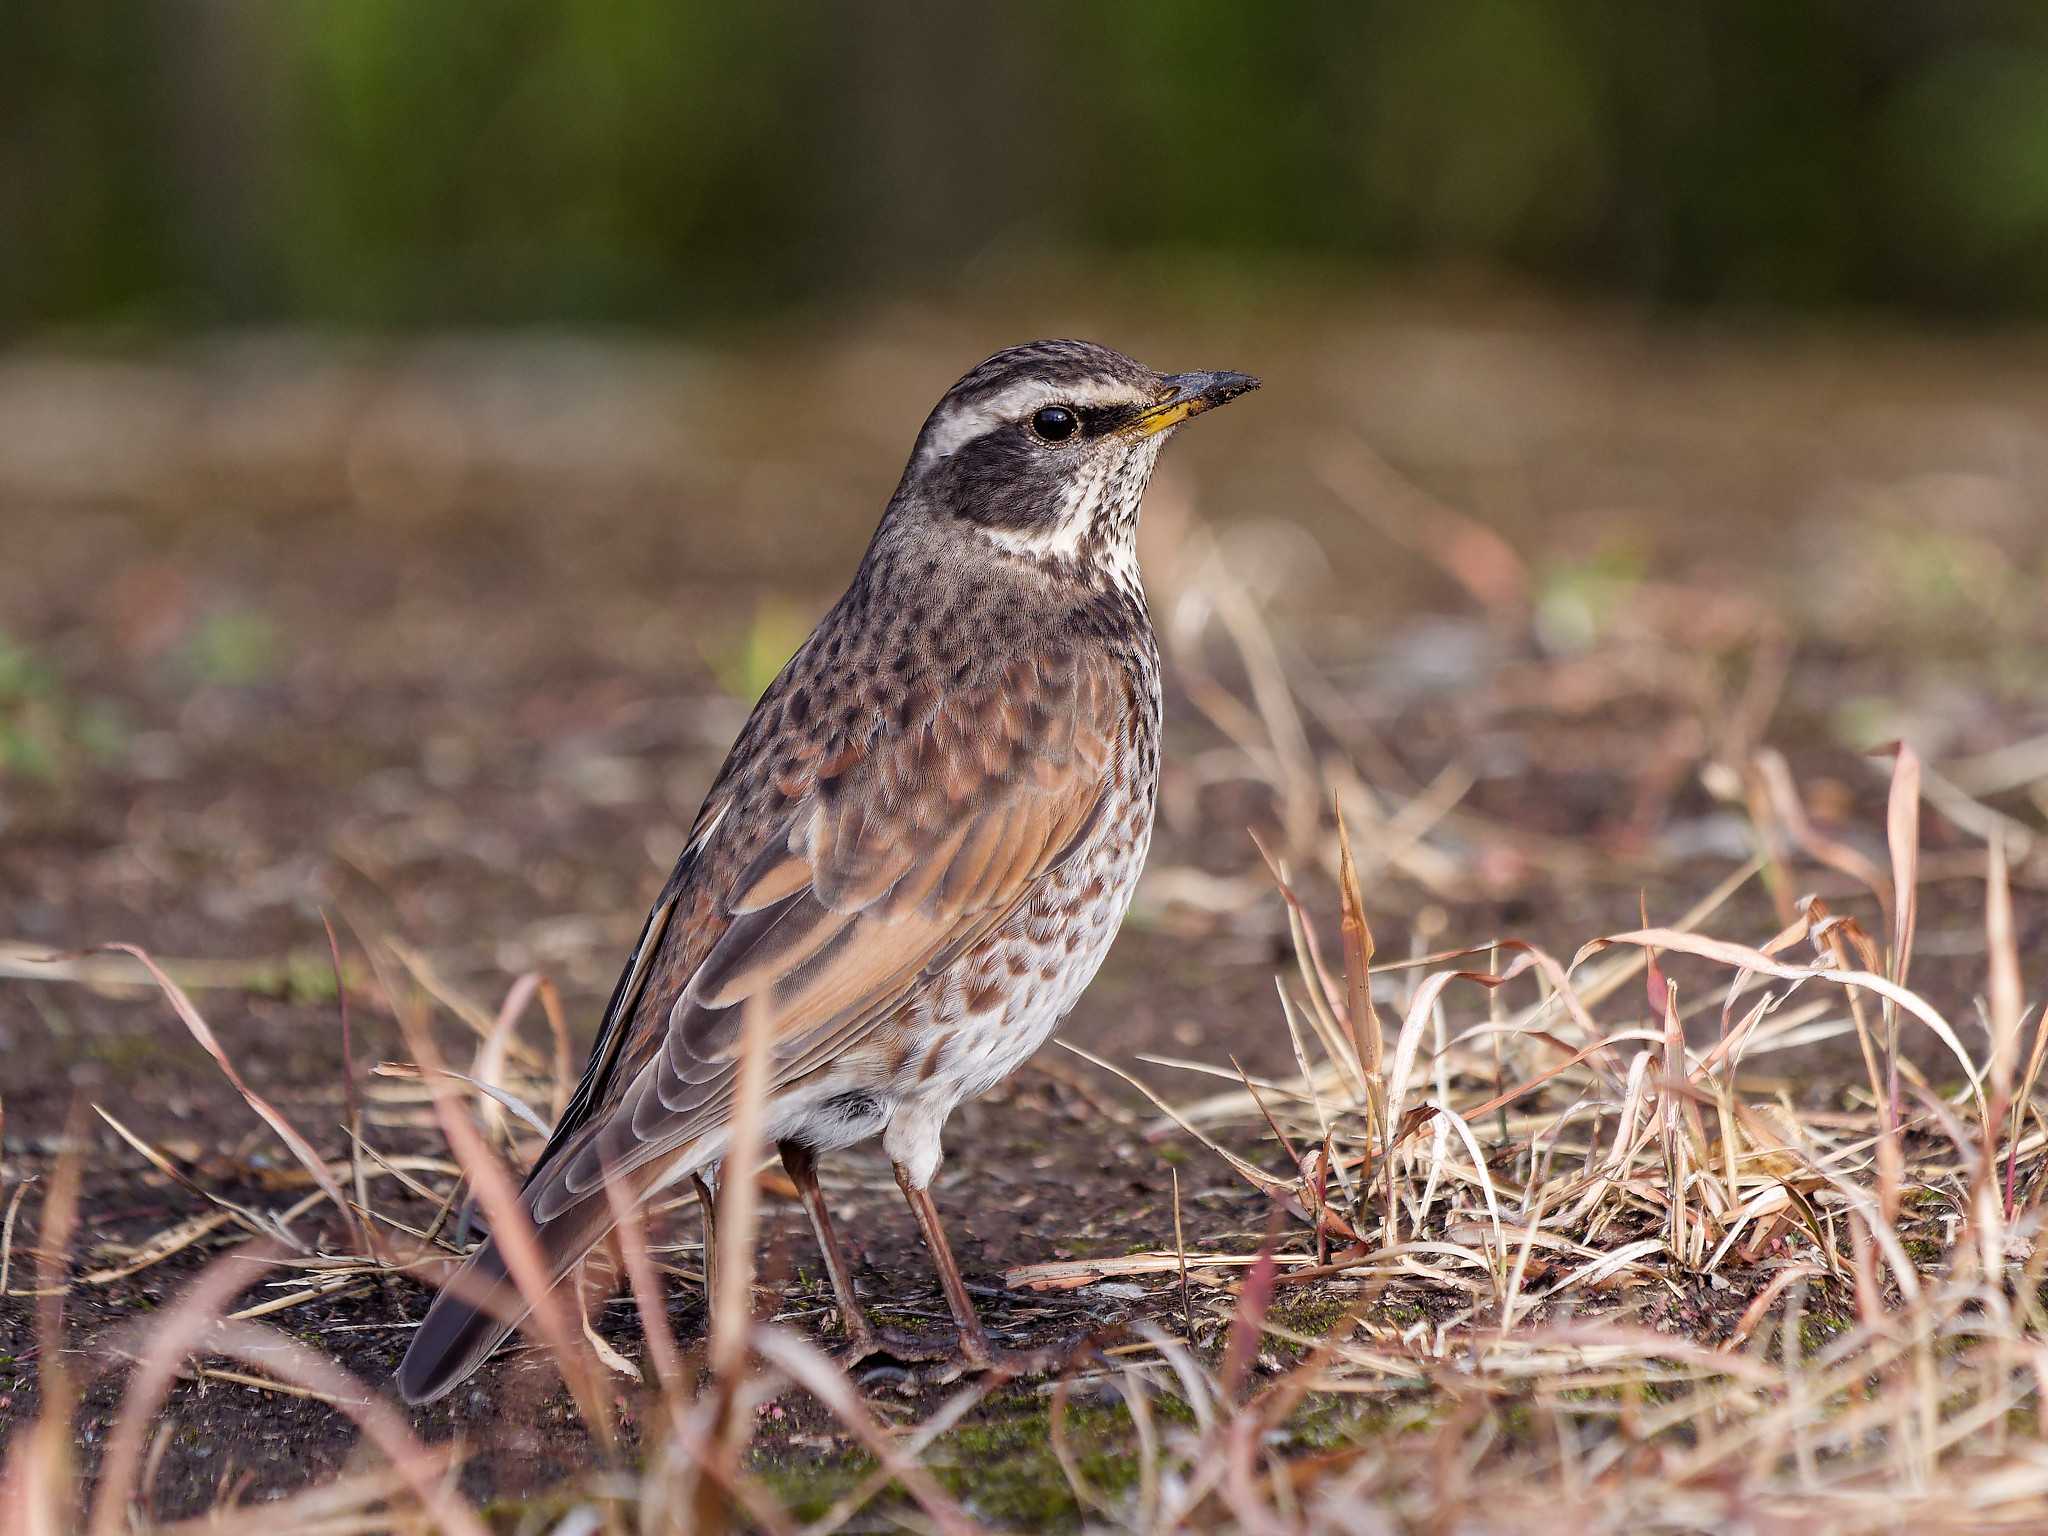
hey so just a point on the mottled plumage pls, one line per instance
(921, 845)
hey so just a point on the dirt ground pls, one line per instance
(446, 640)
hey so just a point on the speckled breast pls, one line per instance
(1003, 998)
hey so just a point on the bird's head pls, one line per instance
(1047, 447)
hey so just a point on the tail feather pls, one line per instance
(481, 1302)
(467, 1321)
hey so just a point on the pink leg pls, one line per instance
(975, 1349)
(801, 1163)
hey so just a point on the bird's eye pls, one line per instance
(1055, 423)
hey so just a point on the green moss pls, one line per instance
(1000, 1465)
(127, 1056)
(1004, 1470)
(1172, 1410)
(46, 732)
(1093, 1247)
(303, 976)
(234, 647)
(1517, 1421)
(807, 1489)
(535, 1512)
(1816, 1329)
(1310, 1312)
(1325, 1421)
(1646, 1390)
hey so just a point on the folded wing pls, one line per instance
(891, 854)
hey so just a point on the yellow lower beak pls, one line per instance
(1193, 393)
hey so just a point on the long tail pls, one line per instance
(481, 1303)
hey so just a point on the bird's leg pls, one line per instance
(975, 1349)
(707, 1210)
(801, 1163)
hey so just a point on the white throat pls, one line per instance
(1097, 524)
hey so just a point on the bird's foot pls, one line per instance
(892, 1345)
(976, 1355)
(981, 1358)
(913, 1360)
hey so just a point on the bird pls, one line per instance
(916, 854)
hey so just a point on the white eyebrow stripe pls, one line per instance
(963, 424)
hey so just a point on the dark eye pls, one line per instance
(1055, 423)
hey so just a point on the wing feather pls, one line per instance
(883, 874)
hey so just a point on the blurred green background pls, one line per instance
(167, 164)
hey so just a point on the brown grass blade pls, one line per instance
(171, 1336)
(189, 1016)
(810, 1368)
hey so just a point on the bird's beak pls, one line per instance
(1192, 394)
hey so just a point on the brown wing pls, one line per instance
(598, 1072)
(887, 856)
(899, 854)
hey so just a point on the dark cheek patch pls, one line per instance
(1004, 479)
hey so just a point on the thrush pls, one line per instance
(917, 852)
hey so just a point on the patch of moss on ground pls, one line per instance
(1004, 1469)
(128, 1057)
(1517, 1421)
(1817, 1329)
(303, 976)
(1310, 1312)
(1091, 1247)
(806, 1489)
(1325, 1421)
(1171, 1410)
(1644, 1389)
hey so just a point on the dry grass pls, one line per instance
(1575, 1264)
(1597, 1283)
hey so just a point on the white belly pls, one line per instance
(1024, 979)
